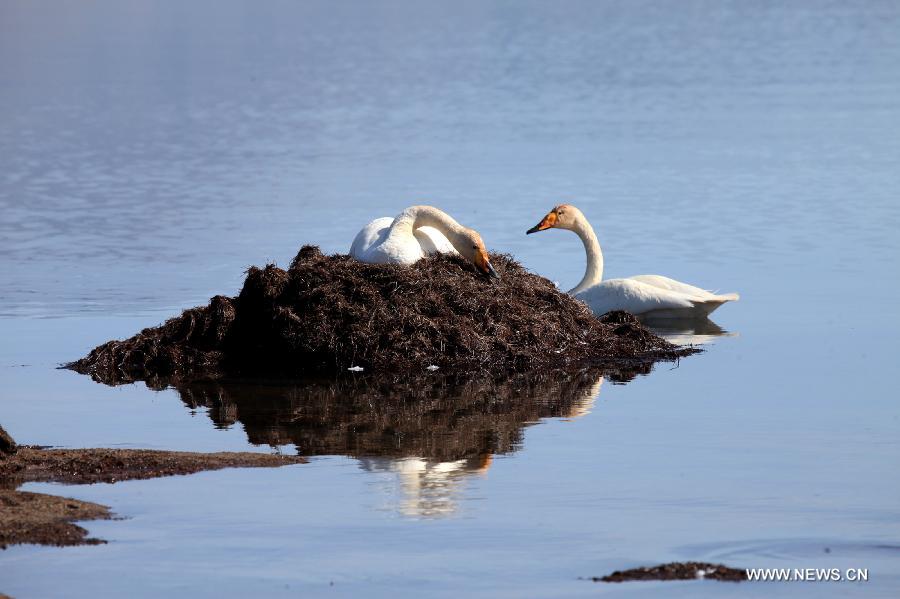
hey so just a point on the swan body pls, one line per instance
(652, 296)
(649, 296)
(416, 232)
(372, 243)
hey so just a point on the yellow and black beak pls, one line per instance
(548, 222)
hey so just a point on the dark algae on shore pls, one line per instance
(46, 519)
(7, 445)
(100, 465)
(330, 313)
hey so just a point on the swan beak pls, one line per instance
(548, 222)
(491, 272)
(484, 264)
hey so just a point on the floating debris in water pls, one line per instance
(676, 571)
(432, 367)
(356, 369)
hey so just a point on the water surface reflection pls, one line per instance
(432, 434)
(687, 331)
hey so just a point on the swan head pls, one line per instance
(564, 216)
(472, 249)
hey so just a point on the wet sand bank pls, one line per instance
(48, 519)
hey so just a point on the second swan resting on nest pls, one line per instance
(415, 232)
(650, 296)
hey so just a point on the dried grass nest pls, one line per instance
(329, 313)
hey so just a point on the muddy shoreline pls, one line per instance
(41, 519)
(99, 465)
(49, 519)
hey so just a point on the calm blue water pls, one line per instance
(151, 151)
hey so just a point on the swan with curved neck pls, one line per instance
(651, 296)
(415, 232)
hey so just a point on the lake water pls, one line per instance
(151, 151)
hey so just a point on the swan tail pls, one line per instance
(728, 297)
(708, 306)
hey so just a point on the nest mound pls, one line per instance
(330, 313)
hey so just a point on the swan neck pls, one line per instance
(593, 272)
(428, 216)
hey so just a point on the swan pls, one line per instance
(415, 232)
(650, 296)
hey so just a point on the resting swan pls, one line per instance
(417, 231)
(650, 296)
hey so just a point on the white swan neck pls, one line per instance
(593, 272)
(428, 216)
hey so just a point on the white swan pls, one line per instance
(651, 296)
(415, 232)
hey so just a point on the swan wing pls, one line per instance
(702, 295)
(672, 285)
(375, 244)
(369, 236)
(433, 241)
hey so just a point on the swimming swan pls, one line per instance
(651, 296)
(417, 231)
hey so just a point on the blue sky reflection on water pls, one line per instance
(152, 151)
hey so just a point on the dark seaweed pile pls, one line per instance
(7, 445)
(328, 313)
(677, 571)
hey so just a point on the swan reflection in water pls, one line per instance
(687, 331)
(428, 437)
(428, 488)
